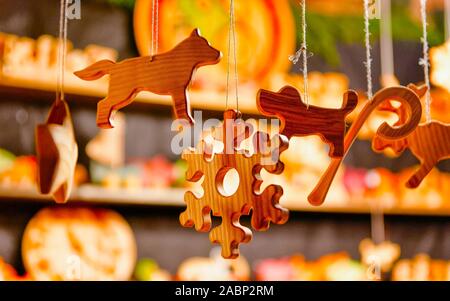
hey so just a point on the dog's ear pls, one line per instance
(289, 91)
(195, 32)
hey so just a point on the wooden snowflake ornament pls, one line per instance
(214, 167)
(166, 73)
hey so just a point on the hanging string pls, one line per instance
(232, 36)
(424, 61)
(155, 27)
(373, 178)
(303, 53)
(368, 62)
(386, 48)
(377, 229)
(62, 50)
(377, 224)
(447, 19)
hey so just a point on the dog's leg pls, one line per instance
(336, 145)
(104, 112)
(182, 107)
(336, 148)
(415, 180)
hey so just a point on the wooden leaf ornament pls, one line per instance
(402, 94)
(298, 119)
(429, 142)
(247, 197)
(167, 73)
(57, 153)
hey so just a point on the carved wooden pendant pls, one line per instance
(429, 142)
(57, 153)
(167, 73)
(407, 97)
(216, 199)
(298, 119)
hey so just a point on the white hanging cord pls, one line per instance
(373, 178)
(377, 224)
(447, 19)
(424, 61)
(62, 50)
(155, 25)
(386, 48)
(368, 62)
(232, 36)
(303, 52)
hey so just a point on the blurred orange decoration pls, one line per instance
(333, 7)
(8, 273)
(214, 268)
(440, 66)
(61, 243)
(338, 266)
(421, 268)
(21, 174)
(265, 34)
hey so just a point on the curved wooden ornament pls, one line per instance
(57, 153)
(298, 119)
(402, 94)
(168, 73)
(429, 142)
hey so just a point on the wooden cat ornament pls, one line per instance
(167, 73)
(429, 142)
(298, 119)
(57, 153)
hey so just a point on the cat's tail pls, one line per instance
(96, 70)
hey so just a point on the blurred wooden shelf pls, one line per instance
(361, 208)
(98, 195)
(209, 100)
(93, 194)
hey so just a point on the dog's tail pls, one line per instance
(350, 101)
(96, 70)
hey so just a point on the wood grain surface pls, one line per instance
(298, 119)
(429, 142)
(167, 73)
(407, 97)
(212, 169)
(57, 153)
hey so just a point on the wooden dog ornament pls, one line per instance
(167, 73)
(298, 119)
